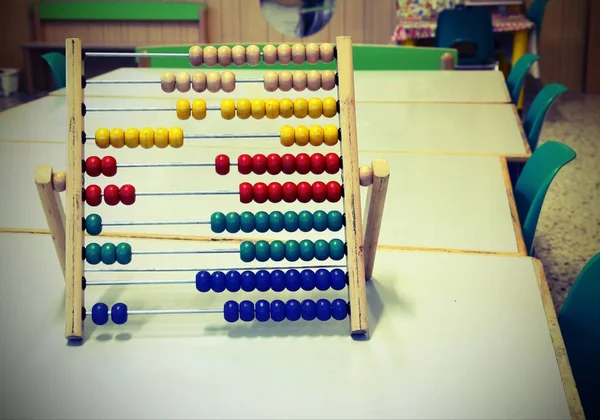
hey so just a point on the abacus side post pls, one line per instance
(53, 210)
(374, 212)
(447, 61)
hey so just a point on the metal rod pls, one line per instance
(167, 312)
(157, 223)
(220, 136)
(178, 193)
(132, 54)
(138, 82)
(173, 270)
(143, 109)
(136, 282)
(186, 251)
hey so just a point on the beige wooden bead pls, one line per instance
(199, 81)
(298, 53)
(313, 80)
(299, 78)
(196, 56)
(327, 80)
(253, 55)
(326, 52)
(224, 55)
(167, 82)
(210, 56)
(228, 81)
(213, 81)
(271, 80)
(183, 81)
(238, 55)
(270, 54)
(285, 80)
(312, 53)
(365, 174)
(284, 53)
(59, 181)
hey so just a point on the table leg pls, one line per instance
(519, 49)
(28, 71)
(409, 43)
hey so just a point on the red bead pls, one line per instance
(261, 192)
(304, 192)
(127, 194)
(302, 163)
(93, 195)
(332, 163)
(334, 191)
(288, 164)
(93, 166)
(246, 192)
(275, 192)
(273, 164)
(317, 163)
(245, 164)
(222, 164)
(259, 164)
(109, 166)
(319, 192)
(111, 195)
(289, 192)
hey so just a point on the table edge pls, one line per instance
(513, 207)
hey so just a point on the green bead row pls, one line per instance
(108, 253)
(276, 221)
(292, 250)
(93, 224)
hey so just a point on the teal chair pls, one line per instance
(533, 183)
(535, 13)
(58, 67)
(517, 75)
(579, 320)
(534, 119)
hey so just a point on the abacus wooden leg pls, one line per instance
(447, 61)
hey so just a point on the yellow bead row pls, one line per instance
(186, 109)
(273, 108)
(302, 135)
(146, 137)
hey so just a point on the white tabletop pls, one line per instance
(397, 86)
(452, 336)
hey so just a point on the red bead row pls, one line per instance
(274, 164)
(113, 195)
(290, 192)
(107, 166)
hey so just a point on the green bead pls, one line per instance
(261, 221)
(276, 222)
(321, 249)
(262, 251)
(247, 222)
(277, 251)
(305, 221)
(93, 224)
(92, 253)
(292, 250)
(335, 220)
(336, 249)
(123, 253)
(108, 253)
(307, 250)
(232, 222)
(291, 221)
(320, 221)
(247, 251)
(217, 222)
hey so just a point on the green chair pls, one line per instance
(579, 320)
(533, 183)
(535, 13)
(517, 75)
(58, 67)
(534, 120)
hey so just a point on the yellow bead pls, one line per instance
(272, 108)
(161, 137)
(329, 107)
(243, 109)
(117, 138)
(301, 135)
(183, 109)
(132, 137)
(287, 136)
(103, 138)
(176, 137)
(258, 109)
(146, 138)
(300, 107)
(199, 109)
(286, 108)
(228, 109)
(315, 135)
(330, 135)
(315, 108)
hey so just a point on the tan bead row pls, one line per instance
(299, 80)
(199, 81)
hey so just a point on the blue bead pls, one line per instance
(292, 280)
(231, 311)
(322, 279)
(323, 309)
(308, 280)
(246, 311)
(100, 313)
(277, 310)
(293, 310)
(248, 281)
(218, 281)
(118, 313)
(203, 281)
(337, 278)
(263, 280)
(277, 280)
(309, 309)
(276, 221)
(234, 280)
(263, 310)
(339, 309)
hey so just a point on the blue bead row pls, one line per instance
(292, 310)
(276, 280)
(118, 313)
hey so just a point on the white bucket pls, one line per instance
(9, 81)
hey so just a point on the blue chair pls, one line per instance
(579, 320)
(534, 119)
(533, 183)
(516, 77)
(58, 67)
(535, 13)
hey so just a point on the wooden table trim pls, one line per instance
(513, 207)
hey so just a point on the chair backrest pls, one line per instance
(534, 181)
(534, 120)
(579, 320)
(517, 74)
(535, 13)
(58, 67)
